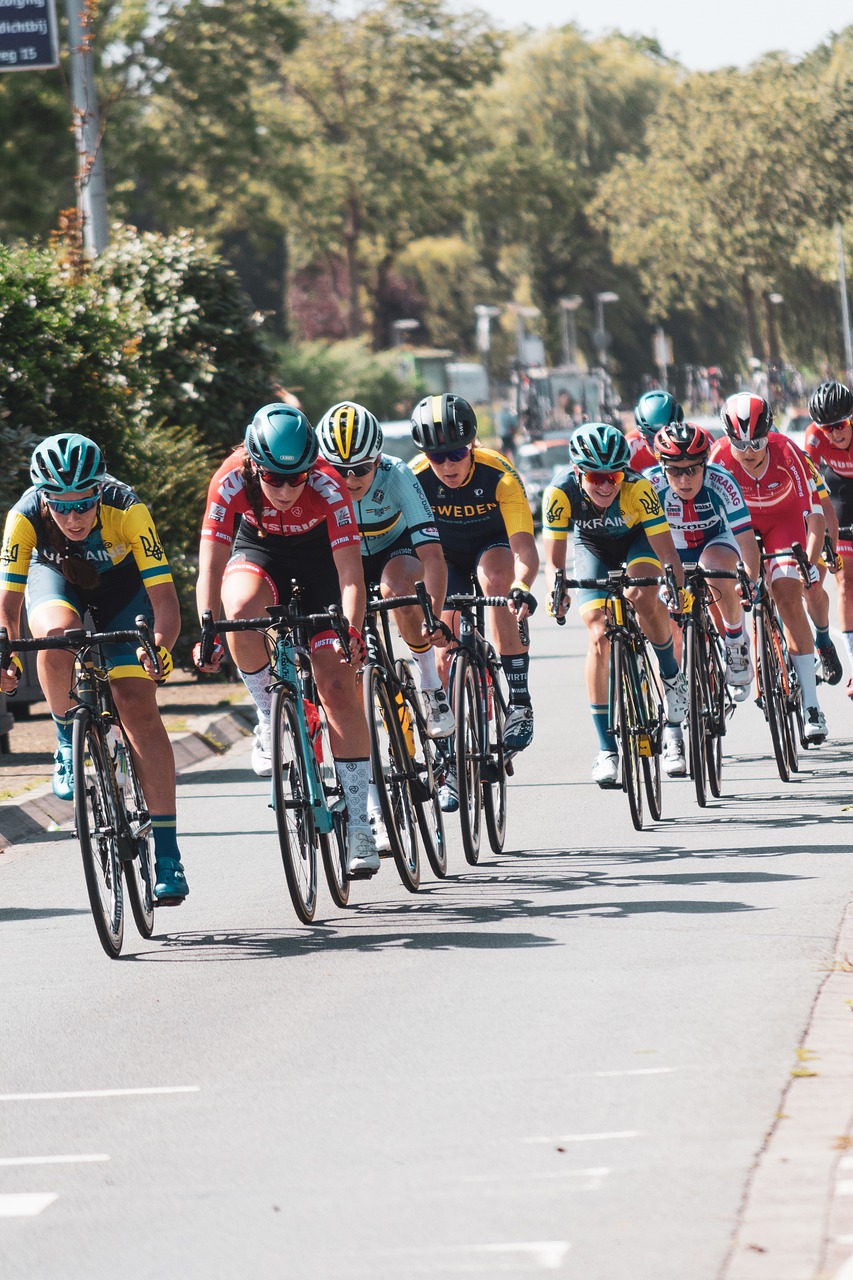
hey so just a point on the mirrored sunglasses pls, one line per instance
(684, 471)
(838, 426)
(455, 455)
(80, 505)
(742, 445)
(360, 470)
(276, 481)
(605, 477)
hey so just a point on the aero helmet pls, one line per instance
(683, 442)
(349, 434)
(654, 410)
(746, 416)
(599, 446)
(831, 402)
(441, 424)
(67, 463)
(281, 439)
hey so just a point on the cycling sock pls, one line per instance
(516, 667)
(848, 640)
(64, 727)
(354, 777)
(427, 671)
(822, 636)
(258, 684)
(373, 803)
(804, 667)
(673, 732)
(666, 660)
(733, 634)
(601, 719)
(165, 831)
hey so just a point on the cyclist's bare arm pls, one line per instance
(555, 558)
(212, 559)
(664, 548)
(815, 530)
(353, 592)
(526, 565)
(434, 564)
(10, 618)
(749, 553)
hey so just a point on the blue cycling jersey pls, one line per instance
(394, 506)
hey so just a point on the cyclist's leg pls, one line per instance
(401, 569)
(654, 622)
(587, 564)
(787, 590)
(721, 554)
(495, 569)
(844, 587)
(251, 582)
(53, 606)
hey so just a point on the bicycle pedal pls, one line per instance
(169, 902)
(365, 875)
(509, 767)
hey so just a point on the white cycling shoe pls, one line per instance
(362, 855)
(261, 755)
(439, 718)
(605, 769)
(674, 758)
(677, 697)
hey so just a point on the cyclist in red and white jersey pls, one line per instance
(653, 410)
(829, 444)
(781, 495)
(296, 522)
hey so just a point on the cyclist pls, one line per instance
(829, 443)
(486, 528)
(617, 520)
(653, 410)
(781, 495)
(711, 526)
(80, 540)
(296, 523)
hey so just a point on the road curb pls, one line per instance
(796, 1219)
(27, 816)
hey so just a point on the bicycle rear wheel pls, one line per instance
(651, 733)
(697, 710)
(292, 802)
(627, 731)
(770, 680)
(424, 787)
(466, 711)
(717, 722)
(95, 820)
(139, 870)
(494, 773)
(333, 847)
(389, 757)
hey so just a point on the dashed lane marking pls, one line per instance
(26, 1204)
(591, 1137)
(8, 1161)
(98, 1093)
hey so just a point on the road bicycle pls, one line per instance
(406, 765)
(703, 662)
(111, 819)
(780, 695)
(478, 697)
(307, 798)
(635, 703)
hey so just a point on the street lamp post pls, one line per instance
(601, 337)
(485, 315)
(401, 328)
(569, 329)
(773, 300)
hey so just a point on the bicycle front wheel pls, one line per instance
(424, 786)
(773, 698)
(628, 731)
(698, 708)
(651, 733)
(717, 722)
(292, 802)
(466, 711)
(494, 772)
(95, 819)
(333, 847)
(139, 870)
(389, 759)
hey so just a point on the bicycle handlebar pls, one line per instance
(558, 595)
(76, 639)
(472, 601)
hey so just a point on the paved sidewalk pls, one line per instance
(796, 1220)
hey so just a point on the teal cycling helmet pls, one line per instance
(281, 439)
(654, 410)
(67, 463)
(599, 446)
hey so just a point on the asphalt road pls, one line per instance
(564, 1060)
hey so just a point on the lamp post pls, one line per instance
(772, 301)
(484, 317)
(601, 336)
(845, 306)
(522, 313)
(569, 329)
(401, 328)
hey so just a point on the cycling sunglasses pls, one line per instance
(79, 505)
(604, 477)
(455, 455)
(361, 470)
(684, 471)
(276, 481)
(742, 445)
(838, 426)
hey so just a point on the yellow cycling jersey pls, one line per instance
(491, 502)
(565, 506)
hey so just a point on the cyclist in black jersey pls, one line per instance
(486, 529)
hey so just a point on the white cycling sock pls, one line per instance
(804, 667)
(258, 684)
(427, 670)
(354, 777)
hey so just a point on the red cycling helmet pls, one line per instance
(746, 417)
(683, 442)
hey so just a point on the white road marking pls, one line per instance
(549, 1254)
(844, 1187)
(590, 1137)
(98, 1093)
(8, 1161)
(26, 1204)
(632, 1071)
(560, 1173)
(846, 1272)
(846, 1162)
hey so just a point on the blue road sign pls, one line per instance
(28, 35)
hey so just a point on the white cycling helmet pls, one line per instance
(349, 434)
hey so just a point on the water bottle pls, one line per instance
(490, 694)
(117, 754)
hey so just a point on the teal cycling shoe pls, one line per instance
(170, 886)
(63, 773)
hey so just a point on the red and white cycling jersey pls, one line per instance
(324, 500)
(642, 455)
(824, 453)
(782, 498)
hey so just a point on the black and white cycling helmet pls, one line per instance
(349, 434)
(831, 402)
(441, 424)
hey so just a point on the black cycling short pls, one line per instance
(304, 557)
(373, 565)
(461, 568)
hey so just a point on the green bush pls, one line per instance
(322, 373)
